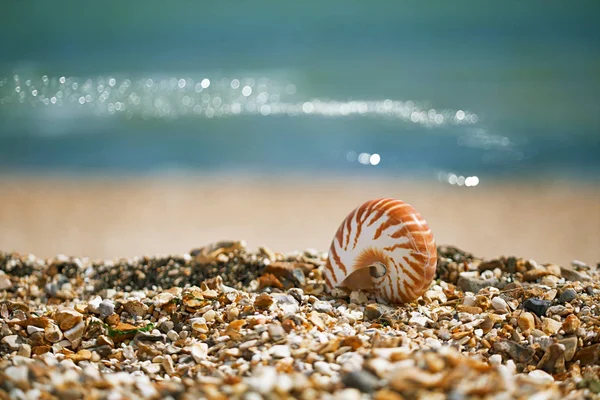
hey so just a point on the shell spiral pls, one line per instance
(384, 246)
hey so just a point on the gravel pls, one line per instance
(224, 322)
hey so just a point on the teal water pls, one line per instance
(436, 90)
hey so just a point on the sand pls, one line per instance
(109, 218)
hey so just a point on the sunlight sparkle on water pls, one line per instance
(363, 158)
(247, 91)
(458, 180)
(374, 159)
(201, 97)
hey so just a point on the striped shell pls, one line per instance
(384, 246)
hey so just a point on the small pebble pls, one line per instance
(567, 296)
(210, 315)
(280, 351)
(322, 306)
(500, 305)
(526, 322)
(536, 306)
(358, 297)
(571, 324)
(550, 326)
(361, 380)
(11, 341)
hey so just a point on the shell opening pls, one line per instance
(364, 278)
(378, 270)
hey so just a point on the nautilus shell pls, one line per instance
(386, 247)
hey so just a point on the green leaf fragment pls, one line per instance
(114, 332)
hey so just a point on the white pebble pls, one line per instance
(280, 351)
(151, 368)
(418, 319)
(323, 368)
(210, 315)
(199, 351)
(11, 341)
(172, 335)
(499, 304)
(541, 376)
(433, 343)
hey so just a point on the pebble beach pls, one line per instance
(226, 322)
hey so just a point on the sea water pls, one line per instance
(459, 92)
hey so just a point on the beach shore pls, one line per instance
(110, 218)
